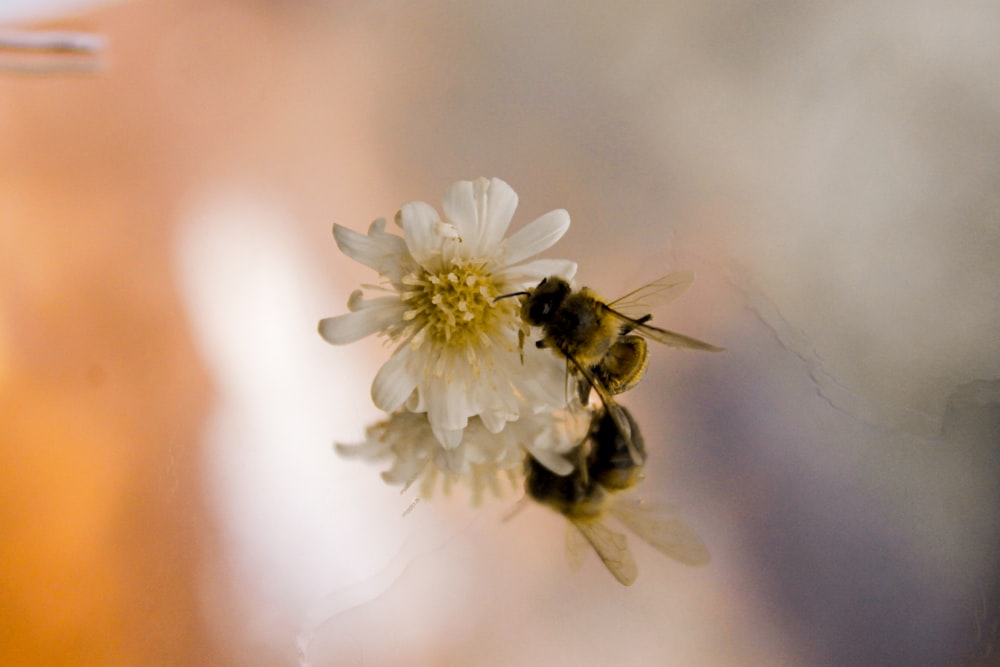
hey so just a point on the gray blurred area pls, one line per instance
(829, 170)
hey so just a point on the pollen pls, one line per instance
(454, 306)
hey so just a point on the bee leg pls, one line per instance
(616, 411)
(583, 392)
(629, 327)
(584, 473)
(575, 387)
(566, 382)
(625, 428)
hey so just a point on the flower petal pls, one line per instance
(553, 461)
(419, 221)
(530, 274)
(376, 315)
(454, 457)
(536, 236)
(378, 250)
(394, 382)
(495, 420)
(546, 386)
(500, 202)
(449, 438)
(459, 208)
(447, 408)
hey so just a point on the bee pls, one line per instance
(603, 342)
(587, 496)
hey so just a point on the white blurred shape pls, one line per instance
(298, 523)
(39, 10)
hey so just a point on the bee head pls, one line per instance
(544, 300)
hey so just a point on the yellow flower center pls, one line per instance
(455, 307)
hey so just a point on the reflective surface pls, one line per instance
(170, 493)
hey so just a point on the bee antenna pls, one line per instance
(507, 296)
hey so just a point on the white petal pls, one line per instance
(536, 236)
(396, 260)
(352, 327)
(368, 450)
(497, 212)
(530, 274)
(494, 420)
(546, 385)
(460, 209)
(378, 250)
(447, 408)
(393, 383)
(356, 246)
(415, 403)
(449, 439)
(454, 456)
(357, 302)
(403, 472)
(552, 461)
(419, 222)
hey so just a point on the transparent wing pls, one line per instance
(576, 547)
(670, 338)
(662, 529)
(640, 301)
(612, 547)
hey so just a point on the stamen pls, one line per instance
(455, 307)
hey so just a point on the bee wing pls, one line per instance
(612, 547)
(576, 547)
(640, 301)
(670, 338)
(662, 529)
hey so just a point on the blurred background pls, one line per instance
(168, 490)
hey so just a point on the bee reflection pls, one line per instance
(605, 465)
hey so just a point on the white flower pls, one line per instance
(457, 353)
(482, 460)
